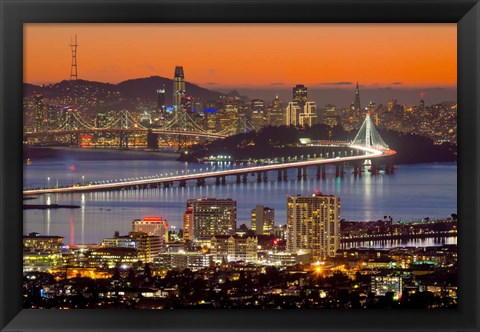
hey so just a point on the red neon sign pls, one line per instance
(152, 218)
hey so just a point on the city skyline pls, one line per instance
(335, 56)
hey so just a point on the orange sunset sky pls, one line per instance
(247, 55)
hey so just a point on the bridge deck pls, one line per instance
(371, 153)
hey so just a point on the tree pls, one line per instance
(147, 272)
(243, 228)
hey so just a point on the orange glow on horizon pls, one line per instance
(275, 56)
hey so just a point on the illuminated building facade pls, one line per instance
(42, 252)
(330, 117)
(152, 225)
(188, 225)
(276, 113)
(262, 220)
(300, 95)
(111, 257)
(313, 224)
(308, 117)
(292, 114)
(232, 248)
(258, 113)
(212, 216)
(184, 260)
(178, 88)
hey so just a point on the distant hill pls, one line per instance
(142, 88)
(146, 88)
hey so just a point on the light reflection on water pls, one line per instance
(413, 192)
(427, 242)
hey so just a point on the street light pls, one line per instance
(83, 179)
(48, 180)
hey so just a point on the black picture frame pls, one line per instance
(466, 13)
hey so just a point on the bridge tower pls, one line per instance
(123, 142)
(73, 68)
(368, 136)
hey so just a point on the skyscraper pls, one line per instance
(308, 117)
(160, 111)
(292, 113)
(212, 216)
(313, 225)
(356, 102)
(258, 113)
(178, 88)
(300, 95)
(276, 114)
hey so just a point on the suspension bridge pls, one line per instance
(367, 145)
(124, 125)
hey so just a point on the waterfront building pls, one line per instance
(212, 216)
(178, 88)
(262, 220)
(313, 224)
(232, 248)
(37, 244)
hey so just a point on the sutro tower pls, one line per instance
(73, 69)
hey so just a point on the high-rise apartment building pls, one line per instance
(313, 225)
(262, 219)
(212, 216)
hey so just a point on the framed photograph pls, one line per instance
(214, 165)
